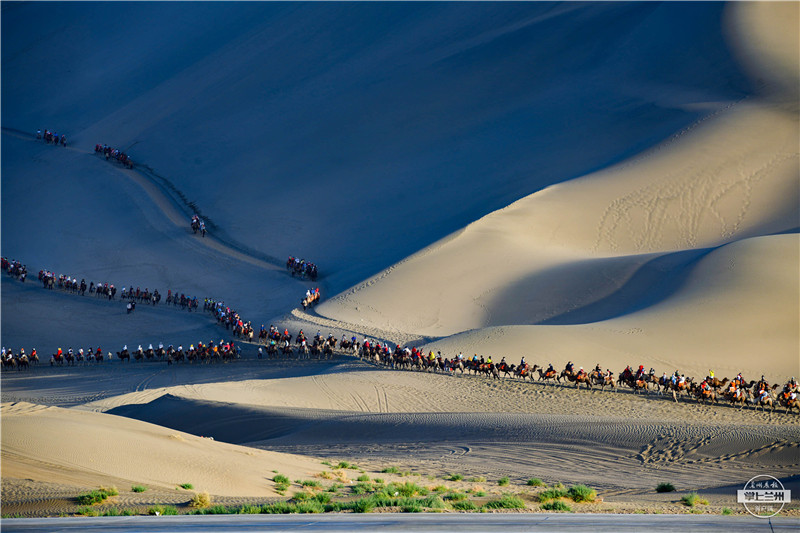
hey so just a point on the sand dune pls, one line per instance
(575, 248)
(632, 200)
(84, 448)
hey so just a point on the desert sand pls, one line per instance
(468, 179)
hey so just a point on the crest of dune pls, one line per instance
(663, 243)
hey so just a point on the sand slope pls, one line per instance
(86, 449)
(615, 242)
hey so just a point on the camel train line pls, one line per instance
(68, 284)
(737, 392)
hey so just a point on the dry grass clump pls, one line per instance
(200, 500)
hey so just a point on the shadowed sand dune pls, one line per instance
(610, 183)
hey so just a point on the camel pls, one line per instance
(547, 375)
(703, 395)
(739, 396)
(526, 371)
(576, 378)
(764, 402)
(785, 400)
(602, 380)
(716, 383)
(506, 369)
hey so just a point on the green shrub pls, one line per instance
(187, 486)
(343, 464)
(582, 493)
(87, 511)
(464, 505)
(390, 470)
(535, 482)
(557, 505)
(327, 463)
(249, 509)
(479, 493)
(311, 483)
(138, 488)
(408, 489)
(665, 487)
(411, 508)
(302, 496)
(162, 510)
(379, 481)
(217, 509)
(726, 511)
(335, 488)
(363, 488)
(96, 496)
(364, 505)
(503, 481)
(692, 499)
(280, 478)
(433, 502)
(477, 479)
(455, 496)
(439, 488)
(456, 477)
(506, 502)
(279, 508)
(323, 497)
(310, 507)
(363, 478)
(551, 494)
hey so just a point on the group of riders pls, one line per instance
(51, 137)
(66, 283)
(50, 280)
(109, 290)
(198, 224)
(312, 297)
(279, 344)
(229, 318)
(737, 391)
(210, 352)
(14, 268)
(299, 267)
(22, 361)
(113, 153)
(223, 351)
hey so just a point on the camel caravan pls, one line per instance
(18, 361)
(737, 392)
(69, 284)
(198, 224)
(311, 298)
(300, 268)
(14, 268)
(51, 137)
(113, 154)
(211, 352)
(279, 345)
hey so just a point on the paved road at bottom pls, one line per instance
(461, 523)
